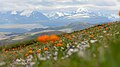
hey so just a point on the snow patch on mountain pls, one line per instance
(82, 10)
(26, 13)
(54, 15)
(113, 16)
(76, 16)
(14, 12)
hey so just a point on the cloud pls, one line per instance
(20, 5)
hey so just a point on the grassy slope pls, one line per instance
(103, 53)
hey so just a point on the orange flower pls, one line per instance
(92, 36)
(99, 27)
(14, 52)
(107, 28)
(55, 44)
(43, 38)
(38, 51)
(51, 41)
(54, 38)
(60, 41)
(13, 49)
(30, 48)
(26, 55)
(59, 44)
(6, 51)
(30, 51)
(45, 49)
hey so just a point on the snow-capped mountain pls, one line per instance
(58, 18)
(24, 17)
(58, 14)
(82, 10)
(55, 15)
(83, 15)
(15, 21)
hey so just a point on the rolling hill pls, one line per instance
(96, 46)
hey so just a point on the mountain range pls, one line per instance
(56, 18)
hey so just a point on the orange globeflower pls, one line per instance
(60, 41)
(26, 55)
(38, 51)
(107, 28)
(30, 48)
(30, 51)
(99, 27)
(43, 38)
(55, 44)
(6, 51)
(54, 38)
(51, 41)
(92, 36)
(59, 44)
(14, 52)
(45, 49)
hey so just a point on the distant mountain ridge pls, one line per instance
(17, 18)
(55, 20)
(72, 26)
(58, 18)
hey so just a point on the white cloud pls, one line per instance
(20, 5)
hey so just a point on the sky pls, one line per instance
(21, 5)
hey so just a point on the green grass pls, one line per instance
(103, 53)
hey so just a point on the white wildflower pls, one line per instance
(62, 57)
(70, 51)
(75, 50)
(83, 43)
(41, 58)
(67, 45)
(29, 58)
(55, 58)
(56, 53)
(2, 63)
(18, 60)
(76, 43)
(101, 36)
(104, 31)
(48, 57)
(93, 41)
(30, 64)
